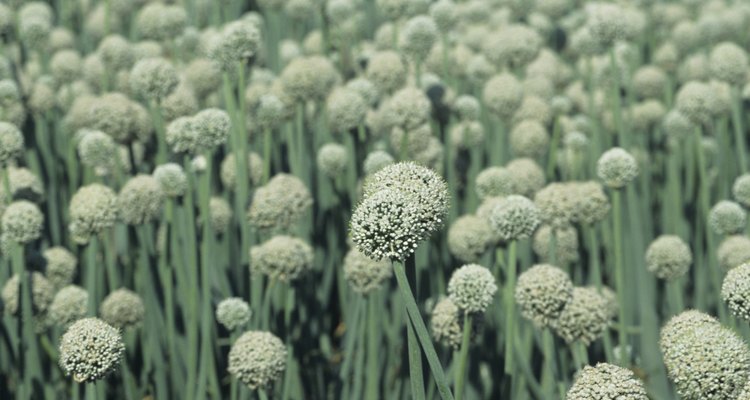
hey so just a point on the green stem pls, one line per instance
(739, 136)
(619, 273)
(373, 340)
(415, 362)
(91, 267)
(510, 307)
(421, 331)
(463, 357)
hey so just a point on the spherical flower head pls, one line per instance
(727, 218)
(366, 89)
(116, 53)
(533, 108)
(703, 358)
(332, 159)
(228, 170)
(503, 94)
(542, 292)
(123, 309)
(585, 318)
(203, 75)
(606, 381)
(239, 41)
(677, 126)
(467, 107)
(514, 218)
(42, 293)
(308, 78)
(140, 200)
(469, 237)
(513, 45)
(494, 182)
(447, 321)
(729, 63)
(668, 257)
(65, 65)
(696, 101)
(733, 251)
(153, 78)
(280, 203)
(418, 36)
(90, 349)
(96, 149)
(605, 22)
(616, 168)
(423, 186)
(114, 114)
(233, 312)
(220, 217)
(346, 110)
(386, 225)
(172, 179)
(387, 71)
(528, 176)
(212, 126)
(158, 21)
(649, 82)
(61, 266)
(409, 108)
(471, 288)
(741, 189)
(377, 160)
(11, 142)
(92, 209)
(34, 31)
(364, 274)
(557, 204)
(22, 222)
(529, 138)
(735, 291)
(24, 185)
(566, 244)
(69, 305)
(257, 359)
(444, 13)
(282, 257)
(270, 111)
(467, 134)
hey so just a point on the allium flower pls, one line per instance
(212, 126)
(696, 100)
(469, 237)
(736, 291)
(513, 45)
(122, 309)
(668, 257)
(280, 203)
(366, 89)
(220, 214)
(270, 111)
(590, 203)
(281, 257)
(704, 360)
(90, 349)
(42, 293)
(69, 305)
(387, 71)
(66, 65)
(24, 185)
(649, 82)
(140, 200)
(228, 170)
(729, 63)
(92, 209)
(471, 288)
(239, 41)
(528, 176)
(585, 318)
(566, 244)
(159, 21)
(346, 110)
(233, 313)
(467, 107)
(22, 222)
(727, 218)
(467, 134)
(61, 266)
(616, 167)
(529, 138)
(257, 359)
(494, 182)
(447, 321)
(605, 22)
(418, 36)
(307, 78)
(733, 251)
(503, 94)
(409, 108)
(172, 179)
(606, 381)
(332, 159)
(116, 115)
(444, 12)
(542, 292)
(11, 142)
(97, 149)
(203, 75)
(514, 218)
(153, 78)
(741, 189)
(363, 273)
(377, 160)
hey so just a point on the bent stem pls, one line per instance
(463, 357)
(421, 331)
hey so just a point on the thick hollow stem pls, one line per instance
(463, 357)
(510, 286)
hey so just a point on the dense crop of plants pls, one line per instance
(374, 199)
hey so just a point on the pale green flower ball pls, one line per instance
(228, 170)
(469, 237)
(585, 318)
(733, 251)
(529, 138)
(233, 313)
(696, 100)
(280, 203)
(727, 218)
(172, 179)
(22, 222)
(494, 182)
(159, 21)
(11, 142)
(92, 209)
(61, 266)
(741, 189)
(387, 71)
(97, 149)
(346, 110)
(542, 292)
(90, 349)
(332, 159)
(122, 309)
(116, 53)
(418, 36)
(282, 257)
(42, 293)
(616, 168)
(257, 359)
(69, 305)
(239, 41)
(729, 63)
(668, 257)
(606, 381)
(472, 288)
(503, 94)
(377, 160)
(735, 291)
(307, 78)
(566, 244)
(220, 214)
(447, 324)
(140, 200)
(364, 274)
